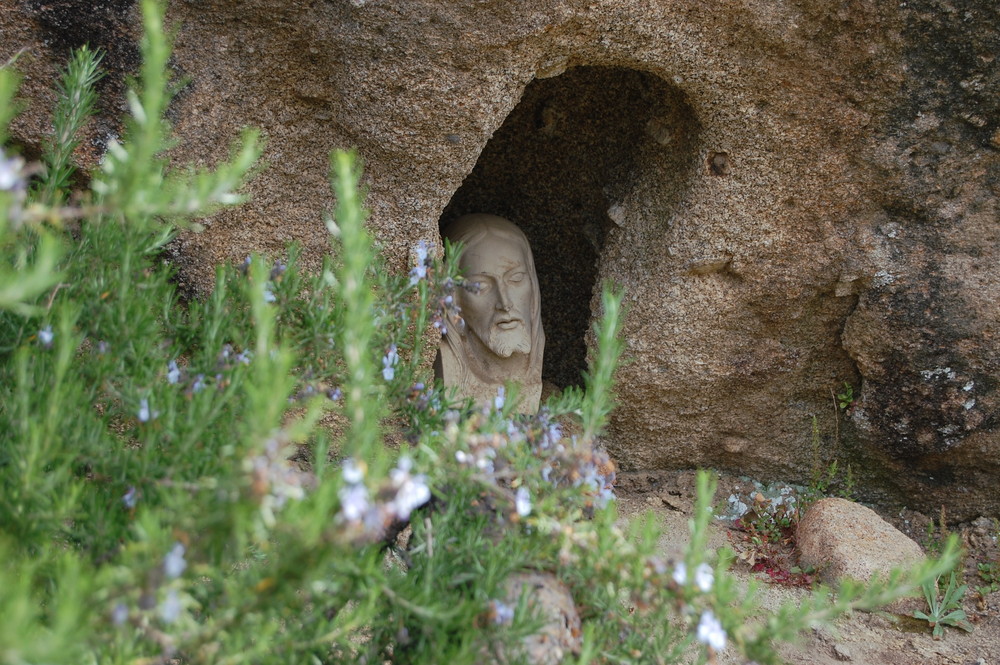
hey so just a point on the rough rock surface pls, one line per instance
(794, 194)
(843, 539)
(559, 636)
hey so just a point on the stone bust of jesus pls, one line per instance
(502, 339)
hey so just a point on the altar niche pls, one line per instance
(568, 153)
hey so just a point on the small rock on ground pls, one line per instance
(843, 539)
(560, 635)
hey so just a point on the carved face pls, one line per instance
(499, 314)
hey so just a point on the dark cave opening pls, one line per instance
(556, 167)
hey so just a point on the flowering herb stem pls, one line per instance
(75, 107)
(363, 410)
(598, 397)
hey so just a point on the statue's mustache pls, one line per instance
(507, 322)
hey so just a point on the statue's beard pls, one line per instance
(506, 343)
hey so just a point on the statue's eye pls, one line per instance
(516, 278)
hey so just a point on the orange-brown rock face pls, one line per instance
(793, 194)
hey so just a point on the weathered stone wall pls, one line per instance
(793, 193)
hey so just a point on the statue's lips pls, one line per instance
(508, 324)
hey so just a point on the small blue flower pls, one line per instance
(389, 363)
(174, 563)
(522, 502)
(418, 273)
(500, 399)
(199, 384)
(422, 251)
(173, 372)
(119, 615)
(130, 498)
(604, 496)
(170, 608)
(413, 492)
(704, 577)
(352, 473)
(501, 612)
(711, 632)
(145, 413)
(269, 294)
(243, 357)
(45, 336)
(354, 502)
(12, 177)
(552, 436)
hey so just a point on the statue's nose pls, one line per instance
(504, 303)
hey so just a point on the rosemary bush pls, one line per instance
(167, 493)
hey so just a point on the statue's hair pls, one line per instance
(469, 230)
